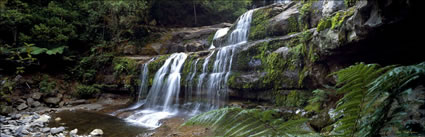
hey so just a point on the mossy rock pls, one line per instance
(291, 98)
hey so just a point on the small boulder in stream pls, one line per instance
(96, 132)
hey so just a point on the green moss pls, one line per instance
(335, 21)
(210, 38)
(306, 8)
(155, 65)
(260, 19)
(211, 62)
(305, 14)
(293, 98)
(186, 67)
(293, 25)
(324, 24)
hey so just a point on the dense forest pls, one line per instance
(211, 68)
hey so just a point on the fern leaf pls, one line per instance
(247, 122)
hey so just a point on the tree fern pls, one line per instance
(393, 87)
(248, 122)
(353, 83)
(380, 103)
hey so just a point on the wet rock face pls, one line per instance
(370, 31)
(186, 39)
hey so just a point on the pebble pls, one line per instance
(57, 130)
(45, 130)
(58, 119)
(73, 133)
(96, 132)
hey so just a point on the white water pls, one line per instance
(143, 89)
(220, 33)
(163, 93)
(282, 1)
(211, 90)
(212, 86)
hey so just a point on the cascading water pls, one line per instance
(218, 34)
(282, 1)
(189, 81)
(211, 91)
(163, 93)
(143, 89)
(211, 87)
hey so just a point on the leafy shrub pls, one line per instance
(46, 85)
(86, 91)
(6, 87)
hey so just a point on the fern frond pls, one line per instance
(248, 122)
(353, 83)
(393, 87)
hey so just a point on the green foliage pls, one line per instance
(208, 12)
(380, 100)
(87, 68)
(248, 122)
(46, 85)
(22, 57)
(319, 97)
(124, 66)
(87, 91)
(354, 81)
(396, 86)
(6, 88)
(350, 3)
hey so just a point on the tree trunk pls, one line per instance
(15, 35)
(194, 11)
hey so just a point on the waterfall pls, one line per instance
(211, 90)
(212, 86)
(217, 80)
(163, 94)
(189, 81)
(143, 89)
(282, 1)
(240, 34)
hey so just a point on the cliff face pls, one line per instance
(293, 47)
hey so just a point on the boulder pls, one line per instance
(22, 106)
(30, 101)
(35, 104)
(36, 95)
(52, 100)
